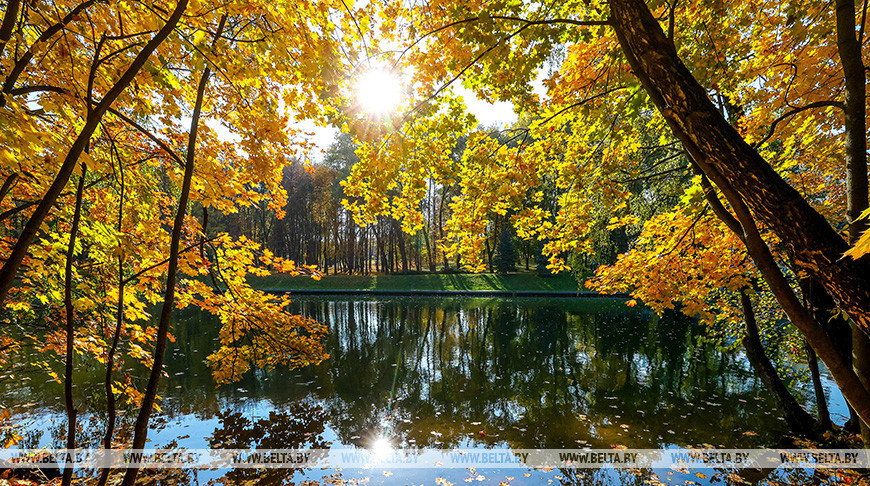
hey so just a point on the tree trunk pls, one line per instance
(818, 389)
(799, 421)
(752, 187)
(378, 248)
(111, 412)
(7, 185)
(400, 243)
(430, 257)
(823, 309)
(854, 122)
(71, 411)
(140, 429)
(488, 250)
(391, 242)
(428, 226)
(726, 158)
(421, 262)
(10, 16)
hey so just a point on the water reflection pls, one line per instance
(448, 373)
(531, 374)
(301, 425)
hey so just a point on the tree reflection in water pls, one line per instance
(532, 374)
(522, 373)
(300, 425)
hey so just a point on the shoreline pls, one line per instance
(449, 293)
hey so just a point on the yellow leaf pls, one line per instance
(861, 248)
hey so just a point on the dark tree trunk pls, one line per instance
(140, 429)
(418, 253)
(111, 412)
(823, 309)
(7, 185)
(391, 244)
(799, 421)
(71, 411)
(854, 122)
(10, 16)
(725, 157)
(489, 251)
(430, 256)
(818, 389)
(378, 249)
(400, 243)
(753, 189)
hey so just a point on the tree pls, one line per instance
(755, 191)
(505, 253)
(108, 87)
(622, 68)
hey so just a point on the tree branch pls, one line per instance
(147, 133)
(790, 113)
(22, 63)
(9, 18)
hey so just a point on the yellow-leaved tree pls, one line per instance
(123, 125)
(651, 118)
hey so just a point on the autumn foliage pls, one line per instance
(626, 110)
(103, 93)
(673, 123)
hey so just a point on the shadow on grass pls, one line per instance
(436, 282)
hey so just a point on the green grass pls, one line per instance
(455, 281)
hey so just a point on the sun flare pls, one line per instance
(379, 91)
(382, 448)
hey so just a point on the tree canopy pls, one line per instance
(722, 145)
(738, 113)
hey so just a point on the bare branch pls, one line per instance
(580, 103)
(148, 134)
(790, 113)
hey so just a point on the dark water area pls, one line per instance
(450, 373)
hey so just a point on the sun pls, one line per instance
(381, 448)
(378, 91)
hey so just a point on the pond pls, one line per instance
(450, 373)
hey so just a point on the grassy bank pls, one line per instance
(459, 281)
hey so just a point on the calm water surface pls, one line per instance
(448, 373)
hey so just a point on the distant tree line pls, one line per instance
(318, 230)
